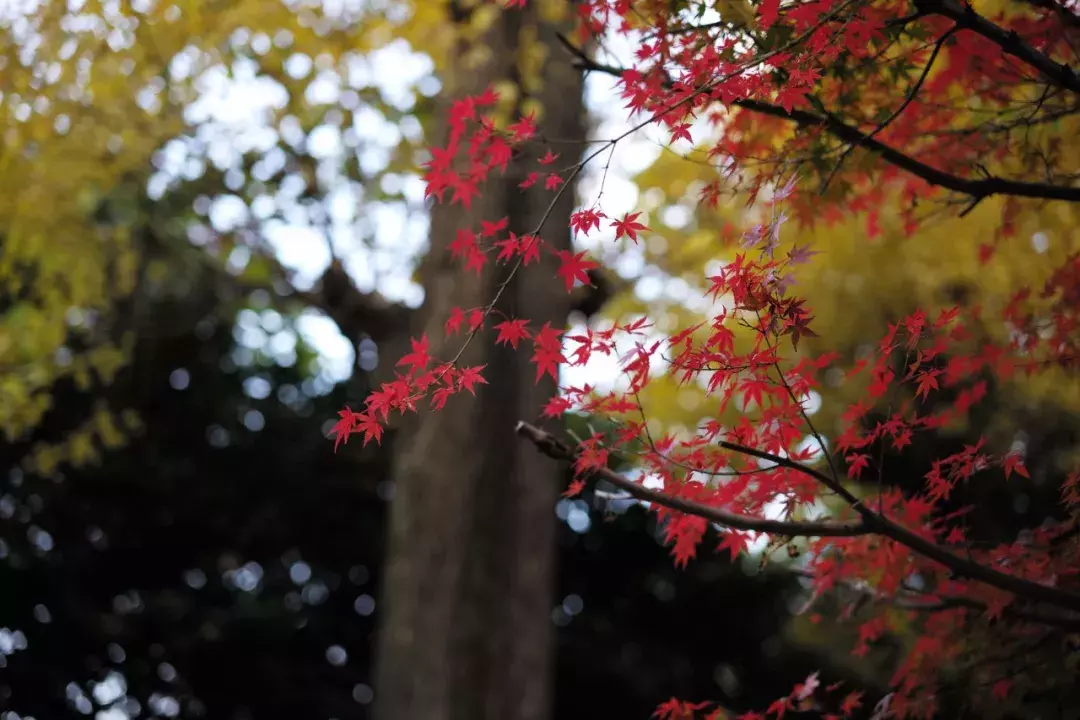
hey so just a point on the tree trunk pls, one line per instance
(466, 629)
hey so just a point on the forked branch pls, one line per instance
(1009, 41)
(976, 188)
(871, 522)
(554, 448)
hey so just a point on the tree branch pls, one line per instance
(872, 522)
(553, 448)
(976, 188)
(908, 99)
(836, 127)
(927, 548)
(1067, 16)
(353, 311)
(1009, 41)
(356, 313)
(930, 602)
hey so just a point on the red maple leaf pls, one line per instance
(1014, 462)
(557, 406)
(475, 260)
(419, 358)
(856, 464)
(507, 248)
(530, 180)
(453, 323)
(490, 229)
(440, 396)
(465, 190)
(628, 226)
(547, 352)
(370, 426)
(573, 267)
(462, 243)
(344, 427)
(926, 381)
(574, 488)
(487, 98)
(585, 220)
(734, 542)
(530, 249)
(675, 709)
(852, 702)
(512, 332)
(682, 130)
(499, 154)
(779, 707)
(768, 12)
(469, 377)
(524, 128)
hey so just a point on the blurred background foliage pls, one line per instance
(177, 538)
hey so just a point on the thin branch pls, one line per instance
(903, 106)
(950, 602)
(872, 522)
(553, 448)
(915, 601)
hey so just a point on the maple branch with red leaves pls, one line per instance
(929, 602)
(556, 449)
(830, 71)
(966, 18)
(908, 99)
(872, 521)
(979, 189)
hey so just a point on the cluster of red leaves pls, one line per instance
(772, 463)
(804, 697)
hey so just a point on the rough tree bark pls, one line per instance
(465, 606)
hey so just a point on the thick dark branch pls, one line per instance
(871, 521)
(356, 312)
(979, 189)
(1009, 41)
(982, 188)
(927, 548)
(553, 448)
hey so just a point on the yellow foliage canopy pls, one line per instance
(89, 92)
